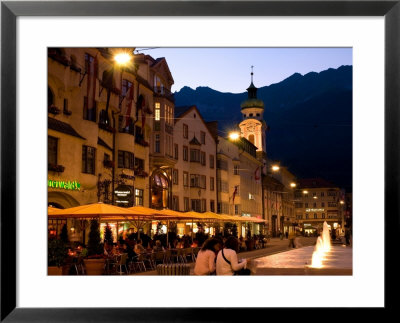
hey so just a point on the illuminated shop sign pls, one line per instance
(66, 185)
(123, 194)
(315, 210)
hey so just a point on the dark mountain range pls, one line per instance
(309, 118)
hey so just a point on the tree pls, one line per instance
(64, 234)
(108, 235)
(94, 244)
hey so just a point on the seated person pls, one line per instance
(139, 248)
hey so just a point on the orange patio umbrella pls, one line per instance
(94, 210)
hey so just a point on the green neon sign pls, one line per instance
(66, 185)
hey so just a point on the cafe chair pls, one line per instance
(138, 263)
(121, 263)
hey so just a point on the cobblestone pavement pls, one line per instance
(275, 245)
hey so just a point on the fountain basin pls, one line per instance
(338, 261)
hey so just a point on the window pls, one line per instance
(176, 151)
(305, 204)
(138, 197)
(157, 143)
(198, 181)
(65, 107)
(186, 204)
(236, 170)
(298, 205)
(236, 209)
(203, 205)
(314, 194)
(126, 125)
(250, 115)
(323, 215)
(203, 158)
(331, 193)
(185, 131)
(315, 216)
(52, 150)
(219, 207)
(202, 137)
(89, 109)
(185, 179)
(185, 153)
(88, 159)
(194, 155)
(157, 111)
(322, 204)
(139, 163)
(125, 159)
(211, 183)
(196, 205)
(314, 204)
(307, 216)
(175, 178)
(211, 161)
(175, 203)
(212, 205)
(332, 204)
(322, 193)
(222, 186)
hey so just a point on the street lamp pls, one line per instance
(234, 135)
(293, 185)
(275, 168)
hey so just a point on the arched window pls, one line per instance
(251, 139)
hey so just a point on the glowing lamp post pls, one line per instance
(234, 135)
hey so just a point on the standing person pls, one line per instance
(227, 260)
(205, 262)
(292, 236)
(287, 234)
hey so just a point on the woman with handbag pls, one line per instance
(205, 262)
(227, 260)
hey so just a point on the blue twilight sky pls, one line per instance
(228, 69)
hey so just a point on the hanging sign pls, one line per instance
(123, 194)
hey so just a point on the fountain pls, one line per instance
(321, 259)
(322, 247)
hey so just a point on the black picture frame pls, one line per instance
(10, 10)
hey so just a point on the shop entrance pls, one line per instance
(160, 190)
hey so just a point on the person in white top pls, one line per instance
(205, 262)
(230, 250)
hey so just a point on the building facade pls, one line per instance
(318, 201)
(100, 127)
(194, 174)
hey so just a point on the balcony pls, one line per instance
(53, 110)
(106, 127)
(140, 141)
(140, 172)
(108, 163)
(56, 168)
(160, 91)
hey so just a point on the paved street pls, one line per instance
(275, 245)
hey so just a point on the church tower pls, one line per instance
(253, 126)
